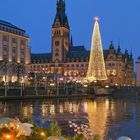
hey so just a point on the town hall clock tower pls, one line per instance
(60, 34)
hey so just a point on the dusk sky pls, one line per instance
(119, 21)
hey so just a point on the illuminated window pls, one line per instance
(108, 72)
(113, 72)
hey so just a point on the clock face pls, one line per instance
(57, 43)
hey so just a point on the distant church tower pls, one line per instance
(60, 34)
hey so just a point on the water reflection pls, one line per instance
(97, 116)
(110, 118)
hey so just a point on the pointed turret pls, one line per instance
(131, 55)
(126, 53)
(111, 45)
(71, 42)
(111, 48)
(119, 48)
(61, 19)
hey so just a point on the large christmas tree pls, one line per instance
(96, 69)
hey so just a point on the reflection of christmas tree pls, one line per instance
(96, 69)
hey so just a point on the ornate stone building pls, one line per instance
(138, 72)
(72, 61)
(14, 52)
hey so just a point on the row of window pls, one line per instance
(69, 65)
(57, 32)
(113, 64)
(14, 59)
(14, 50)
(39, 66)
(77, 65)
(14, 40)
(77, 60)
(11, 30)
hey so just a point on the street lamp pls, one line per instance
(20, 76)
(45, 69)
(36, 91)
(5, 81)
(4, 63)
(22, 86)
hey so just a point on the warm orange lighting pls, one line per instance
(7, 137)
(42, 134)
(96, 68)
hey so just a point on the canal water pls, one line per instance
(108, 117)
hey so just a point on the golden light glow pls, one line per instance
(97, 116)
(10, 59)
(96, 69)
(7, 137)
(42, 134)
(14, 79)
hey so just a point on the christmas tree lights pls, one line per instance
(96, 69)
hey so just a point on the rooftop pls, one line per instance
(41, 57)
(10, 25)
(10, 28)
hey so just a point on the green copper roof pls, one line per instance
(80, 52)
(75, 52)
(41, 57)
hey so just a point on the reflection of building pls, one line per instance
(72, 61)
(14, 50)
(138, 72)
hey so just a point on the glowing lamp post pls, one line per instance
(36, 91)
(4, 68)
(22, 86)
(45, 78)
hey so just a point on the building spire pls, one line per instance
(61, 19)
(119, 48)
(131, 55)
(71, 42)
(96, 69)
(111, 45)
